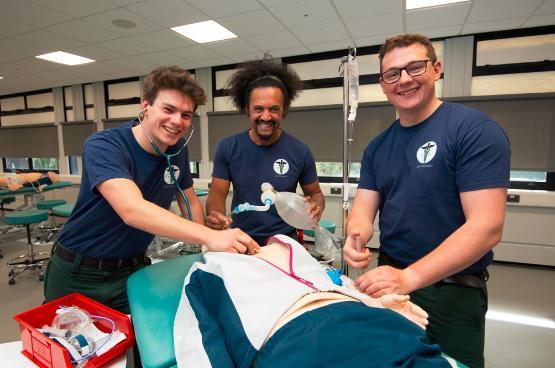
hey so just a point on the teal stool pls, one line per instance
(63, 210)
(51, 228)
(154, 293)
(326, 224)
(28, 261)
(4, 229)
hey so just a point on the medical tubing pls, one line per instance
(100, 346)
(174, 181)
(168, 161)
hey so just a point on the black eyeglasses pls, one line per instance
(414, 68)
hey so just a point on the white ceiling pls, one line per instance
(279, 27)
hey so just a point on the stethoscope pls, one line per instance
(168, 157)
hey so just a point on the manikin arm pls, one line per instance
(36, 179)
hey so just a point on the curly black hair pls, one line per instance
(263, 73)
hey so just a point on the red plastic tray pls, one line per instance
(47, 353)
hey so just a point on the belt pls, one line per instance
(477, 281)
(105, 264)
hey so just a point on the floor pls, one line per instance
(525, 291)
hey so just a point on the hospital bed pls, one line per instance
(154, 293)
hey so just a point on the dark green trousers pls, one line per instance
(106, 287)
(456, 318)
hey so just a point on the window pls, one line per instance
(194, 167)
(74, 165)
(332, 172)
(533, 180)
(39, 164)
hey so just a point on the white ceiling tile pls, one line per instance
(38, 65)
(77, 8)
(492, 25)
(540, 20)
(105, 19)
(440, 31)
(251, 23)
(126, 46)
(218, 8)
(83, 31)
(95, 52)
(235, 46)
(193, 53)
(548, 7)
(6, 57)
(124, 2)
(289, 51)
(440, 16)
(52, 40)
(167, 13)
(305, 14)
(373, 40)
(22, 48)
(160, 58)
(278, 40)
(96, 68)
(163, 40)
(10, 28)
(220, 60)
(321, 33)
(129, 63)
(331, 46)
(275, 3)
(383, 24)
(352, 9)
(247, 57)
(32, 14)
(486, 10)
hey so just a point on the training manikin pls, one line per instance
(239, 310)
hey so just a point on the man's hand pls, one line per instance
(354, 252)
(233, 241)
(218, 221)
(314, 210)
(386, 280)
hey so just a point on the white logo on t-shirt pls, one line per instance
(426, 152)
(167, 176)
(281, 166)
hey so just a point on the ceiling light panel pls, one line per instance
(66, 58)
(417, 4)
(202, 32)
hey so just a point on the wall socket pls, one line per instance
(335, 190)
(513, 198)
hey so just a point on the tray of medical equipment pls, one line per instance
(74, 331)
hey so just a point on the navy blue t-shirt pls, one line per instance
(247, 165)
(94, 228)
(419, 172)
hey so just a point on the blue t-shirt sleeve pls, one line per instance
(483, 157)
(309, 174)
(367, 174)
(104, 160)
(221, 162)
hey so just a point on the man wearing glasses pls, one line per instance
(438, 176)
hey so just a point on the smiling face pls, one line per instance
(167, 119)
(413, 97)
(265, 112)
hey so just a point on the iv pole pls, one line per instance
(350, 103)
